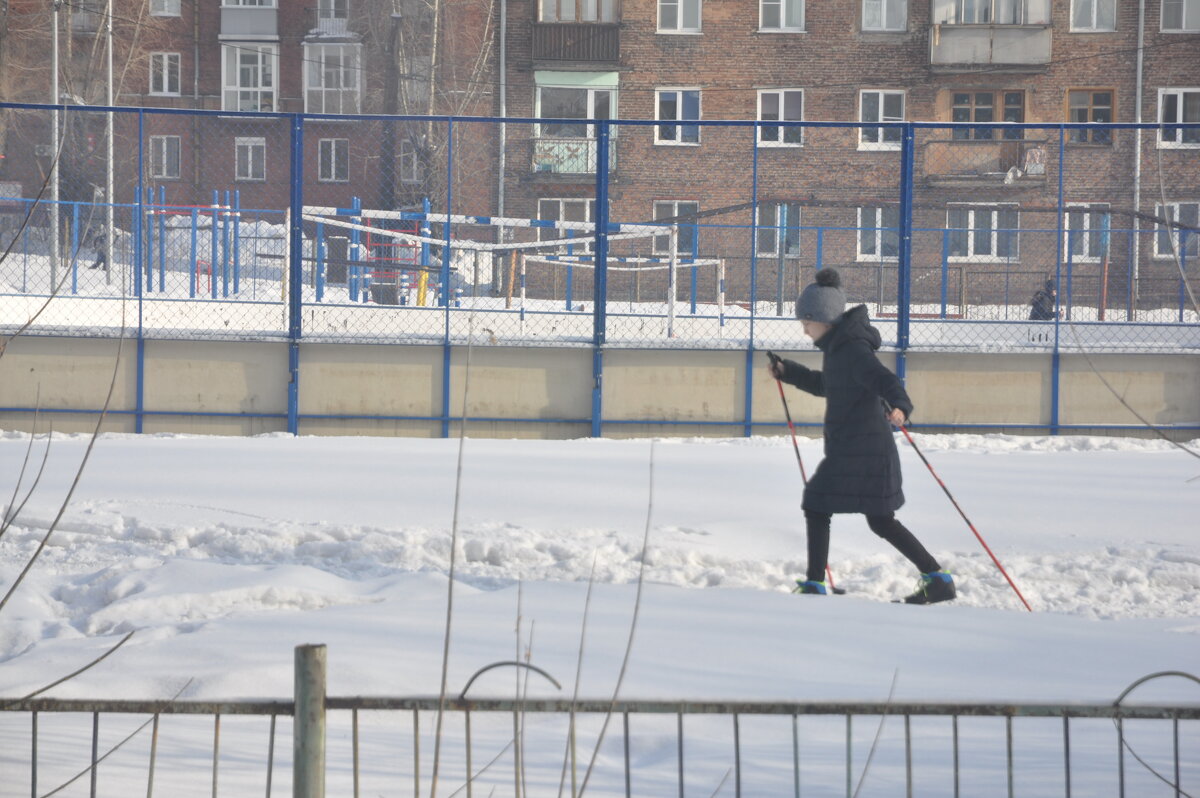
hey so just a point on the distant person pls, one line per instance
(101, 261)
(1043, 305)
(861, 469)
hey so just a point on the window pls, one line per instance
(333, 9)
(677, 105)
(567, 210)
(573, 102)
(1090, 105)
(885, 15)
(249, 3)
(251, 156)
(164, 157)
(1177, 106)
(879, 233)
(991, 12)
(1180, 15)
(249, 77)
(333, 160)
(164, 73)
(988, 231)
(981, 106)
(1093, 15)
(687, 241)
(781, 15)
(1087, 232)
(880, 106)
(331, 78)
(1166, 240)
(778, 223)
(678, 16)
(164, 8)
(780, 105)
(579, 11)
(410, 162)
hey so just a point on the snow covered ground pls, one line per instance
(225, 553)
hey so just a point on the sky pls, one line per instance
(223, 554)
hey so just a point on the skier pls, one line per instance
(861, 469)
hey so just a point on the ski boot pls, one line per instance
(933, 588)
(810, 587)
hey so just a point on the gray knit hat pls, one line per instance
(822, 301)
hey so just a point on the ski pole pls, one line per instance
(774, 358)
(950, 496)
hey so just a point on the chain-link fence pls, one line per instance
(253, 224)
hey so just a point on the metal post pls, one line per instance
(295, 266)
(308, 766)
(600, 277)
(95, 752)
(216, 753)
(153, 757)
(679, 742)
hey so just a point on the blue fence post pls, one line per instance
(695, 254)
(1183, 245)
(904, 284)
(148, 216)
(295, 274)
(780, 240)
(320, 266)
(946, 274)
(569, 288)
(600, 281)
(237, 240)
(1072, 238)
(820, 253)
(139, 219)
(215, 249)
(194, 264)
(353, 270)
(75, 244)
(162, 238)
(444, 274)
(226, 243)
(748, 373)
(1056, 357)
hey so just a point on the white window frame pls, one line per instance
(410, 162)
(1189, 16)
(669, 209)
(782, 133)
(250, 145)
(333, 160)
(342, 99)
(1173, 210)
(783, 7)
(248, 3)
(768, 245)
(676, 131)
(873, 227)
(161, 148)
(165, 8)
(333, 9)
(553, 233)
(973, 252)
(885, 138)
(696, 9)
(1086, 237)
(1087, 12)
(1181, 95)
(592, 94)
(603, 11)
(161, 65)
(883, 7)
(268, 66)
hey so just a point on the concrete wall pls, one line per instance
(231, 388)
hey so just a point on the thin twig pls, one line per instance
(14, 510)
(878, 732)
(587, 605)
(73, 674)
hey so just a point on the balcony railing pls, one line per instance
(956, 46)
(991, 162)
(590, 42)
(570, 156)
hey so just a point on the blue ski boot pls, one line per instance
(933, 588)
(810, 587)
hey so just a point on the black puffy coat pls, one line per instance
(861, 469)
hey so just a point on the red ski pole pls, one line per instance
(978, 537)
(799, 460)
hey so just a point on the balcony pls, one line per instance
(578, 42)
(325, 23)
(985, 163)
(962, 48)
(249, 22)
(569, 156)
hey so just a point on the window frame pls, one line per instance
(1181, 93)
(410, 162)
(680, 135)
(1093, 27)
(590, 102)
(252, 143)
(977, 127)
(162, 8)
(1074, 135)
(316, 67)
(882, 132)
(159, 157)
(877, 230)
(1093, 238)
(774, 233)
(680, 27)
(550, 234)
(160, 73)
(1011, 236)
(332, 153)
(883, 15)
(607, 12)
(248, 4)
(1184, 18)
(688, 240)
(268, 54)
(782, 27)
(1161, 231)
(783, 132)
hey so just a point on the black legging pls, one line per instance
(886, 526)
